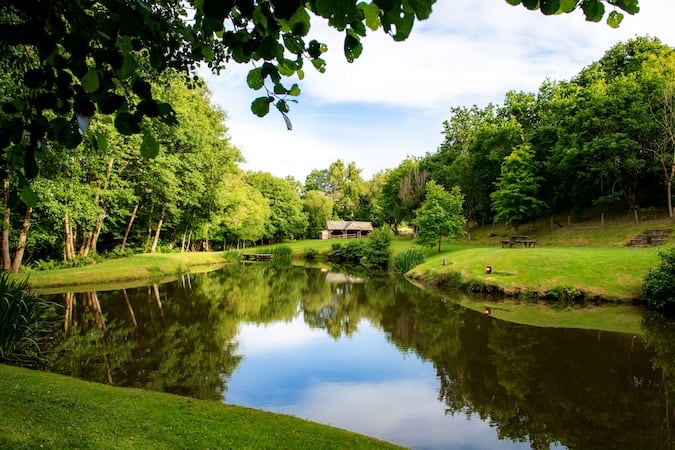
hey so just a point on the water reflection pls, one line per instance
(377, 356)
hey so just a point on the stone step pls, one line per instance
(650, 238)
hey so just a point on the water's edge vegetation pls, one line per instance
(463, 262)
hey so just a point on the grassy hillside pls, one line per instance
(43, 410)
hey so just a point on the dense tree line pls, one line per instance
(604, 138)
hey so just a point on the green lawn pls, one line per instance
(123, 272)
(43, 410)
(612, 273)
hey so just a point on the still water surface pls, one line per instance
(379, 357)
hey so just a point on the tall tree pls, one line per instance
(440, 215)
(287, 219)
(319, 208)
(660, 70)
(515, 199)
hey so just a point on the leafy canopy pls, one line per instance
(63, 61)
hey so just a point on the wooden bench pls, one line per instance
(523, 241)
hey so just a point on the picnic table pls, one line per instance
(524, 241)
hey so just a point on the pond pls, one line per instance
(378, 356)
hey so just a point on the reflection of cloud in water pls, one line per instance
(268, 338)
(402, 411)
(363, 384)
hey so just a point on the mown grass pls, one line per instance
(43, 410)
(137, 268)
(613, 274)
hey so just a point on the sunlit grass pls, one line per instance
(612, 273)
(146, 267)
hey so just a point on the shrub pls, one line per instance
(25, 325)
(377, 249)
(658, 287)
(231, 255)
(310, 254)
(350, 252)
(408, 259)
(282, 253)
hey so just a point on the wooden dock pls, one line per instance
(257, 256)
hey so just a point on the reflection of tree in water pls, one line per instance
(335, 304)
(161, 340)
(581, 389)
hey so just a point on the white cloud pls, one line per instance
(404, 411)
(270, 338)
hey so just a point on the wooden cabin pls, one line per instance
(341, 229)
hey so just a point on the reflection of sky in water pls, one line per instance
(362, 383)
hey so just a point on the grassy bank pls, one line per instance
(140, 268)
(610, 274)
(42, 410)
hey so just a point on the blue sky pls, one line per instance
(392, 101)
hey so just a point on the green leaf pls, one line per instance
(516, 2)
(630, 6)
(254, 79)
(109, 102)
(294, 44)
(261, 106)
(352, 47)
(142, 88)
(422, 8)
(149, 146)
(279, 89)
(29, 196)
(549, 7)
(127, 124)
(314, 49)
(128, 66)
(593, 10)
(531, 4)
(319, 64)
(207, 52)
(90, 82)
(294, 90)
(567, 6)
(282, 106)
(371, 13)
(614, 19)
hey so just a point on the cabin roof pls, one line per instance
(347, 225)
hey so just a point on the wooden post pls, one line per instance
(602, 220)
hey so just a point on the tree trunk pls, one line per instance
(128, 230)
(21, 244)
(157, 230)
(93, 239)
(69, 240)
(6, 262)
(86, 241)
(670, 189)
